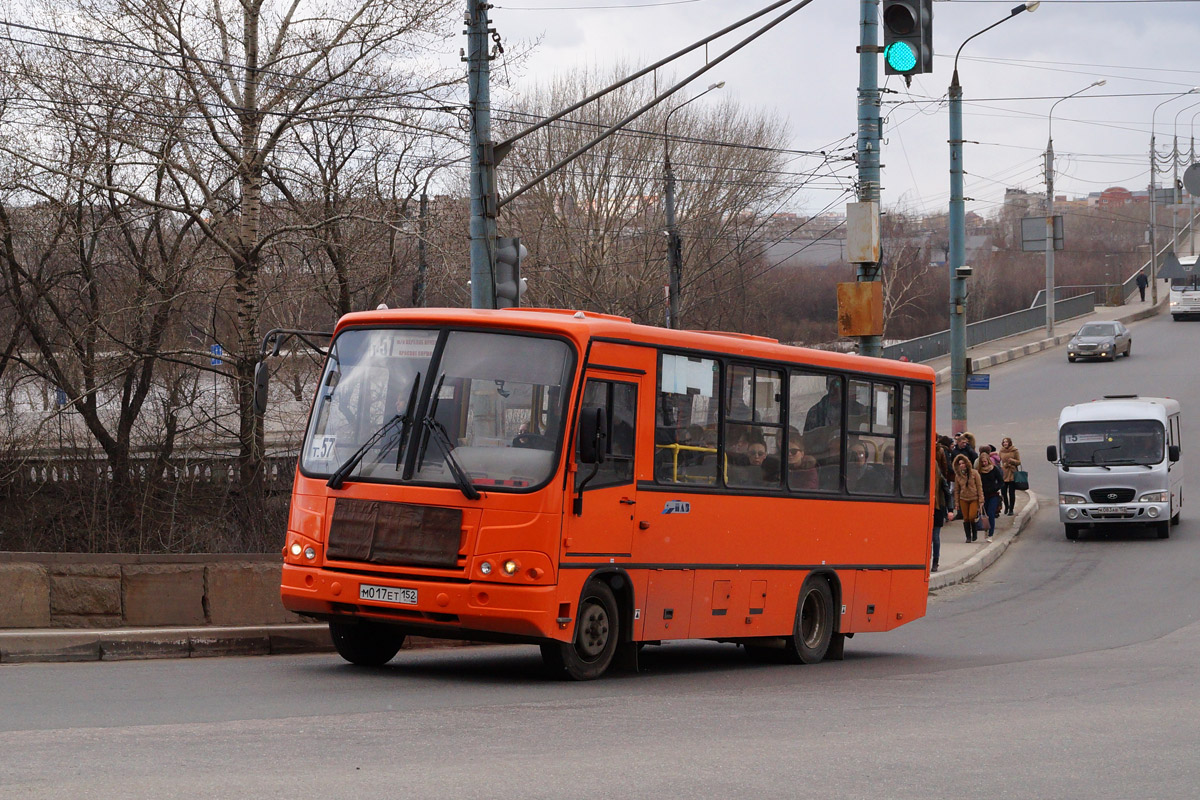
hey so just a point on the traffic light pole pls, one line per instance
(868, 138)
(483, 163)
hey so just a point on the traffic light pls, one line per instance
(907, 37)
(509, 286)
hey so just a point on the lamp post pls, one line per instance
(1050, 293)
(957, 222)
(1175, 199)
(674, 244)
(1153, 215)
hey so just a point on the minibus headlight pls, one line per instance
(1152, 512)
(1072, 513)
(1155, 497)
(1070, 499)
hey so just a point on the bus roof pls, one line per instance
(583, 326)
(1120, 407)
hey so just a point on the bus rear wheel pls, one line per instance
(597, 632)
(813, 630)
(365, 643)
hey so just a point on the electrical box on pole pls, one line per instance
(907, 37)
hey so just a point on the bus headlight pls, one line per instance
(1155, 497)
(296, 549)
(1070, 499)
(511, 567)
(310, 553)
(486, 567)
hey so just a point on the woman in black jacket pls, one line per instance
(993, 482)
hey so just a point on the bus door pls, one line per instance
(604, 528)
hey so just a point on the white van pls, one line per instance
(1118, 464)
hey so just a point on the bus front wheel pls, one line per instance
(364, 643)
(597, 632)
(813, 630)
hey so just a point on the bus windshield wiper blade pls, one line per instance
(340, 474)
(438, 434)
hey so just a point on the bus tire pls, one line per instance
(597, 631)
(1163, 529)
(813, 629)
(365, 644)
(1072, 531)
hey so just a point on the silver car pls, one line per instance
(1105, 340)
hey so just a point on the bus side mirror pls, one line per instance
(593, 424)
(262, 377)
(1051, 453)
(1173, 453)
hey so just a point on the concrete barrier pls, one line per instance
(51, 590)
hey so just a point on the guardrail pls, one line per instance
(986, 330)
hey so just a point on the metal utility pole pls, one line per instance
(868, 140)
(422, 233)
(958, 234)
(674, 242)
(484, 203)
(1051, 295)
(1153, 204)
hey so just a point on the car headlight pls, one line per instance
(1155, 497)
(1070, 499)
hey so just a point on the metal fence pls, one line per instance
(938, 344)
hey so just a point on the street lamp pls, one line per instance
(958, 235)
(1153, 216)
(1050, 294)
(1175, 157)
(674, 244)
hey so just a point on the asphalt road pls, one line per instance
(1067, 670)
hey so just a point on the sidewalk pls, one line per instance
(999, 351)
(961, 561)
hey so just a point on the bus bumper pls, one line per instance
(449, 607)
(1121, 513)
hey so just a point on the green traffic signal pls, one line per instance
(900, 56)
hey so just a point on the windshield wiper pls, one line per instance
(437, 432)
(342, 472)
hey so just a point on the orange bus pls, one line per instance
(574, 480)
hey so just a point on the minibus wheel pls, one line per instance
(1163, 528)
(597, 632)
(365, 643)
(813, 629)
(1072, 531)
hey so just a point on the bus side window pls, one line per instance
(619, 400)
(685, 429)
(914, 442)
(815, 413)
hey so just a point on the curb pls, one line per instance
(27, 646)
(987, 556)
(983, 362)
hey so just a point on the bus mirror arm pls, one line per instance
(577, 505)
(593, 427)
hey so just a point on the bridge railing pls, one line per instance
(986, 330)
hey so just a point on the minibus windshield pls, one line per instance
(1112, 442)
(495, 421)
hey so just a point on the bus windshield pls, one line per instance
(497, 415)
(1136, 441)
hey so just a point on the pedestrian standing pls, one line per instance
(968, 492)
(1010, 462)
(991, 482)
(942, 510)
(963, 447)
(1142, 282)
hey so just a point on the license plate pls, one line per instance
(1109, 510)
(387, 594)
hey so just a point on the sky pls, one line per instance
(806, 71)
